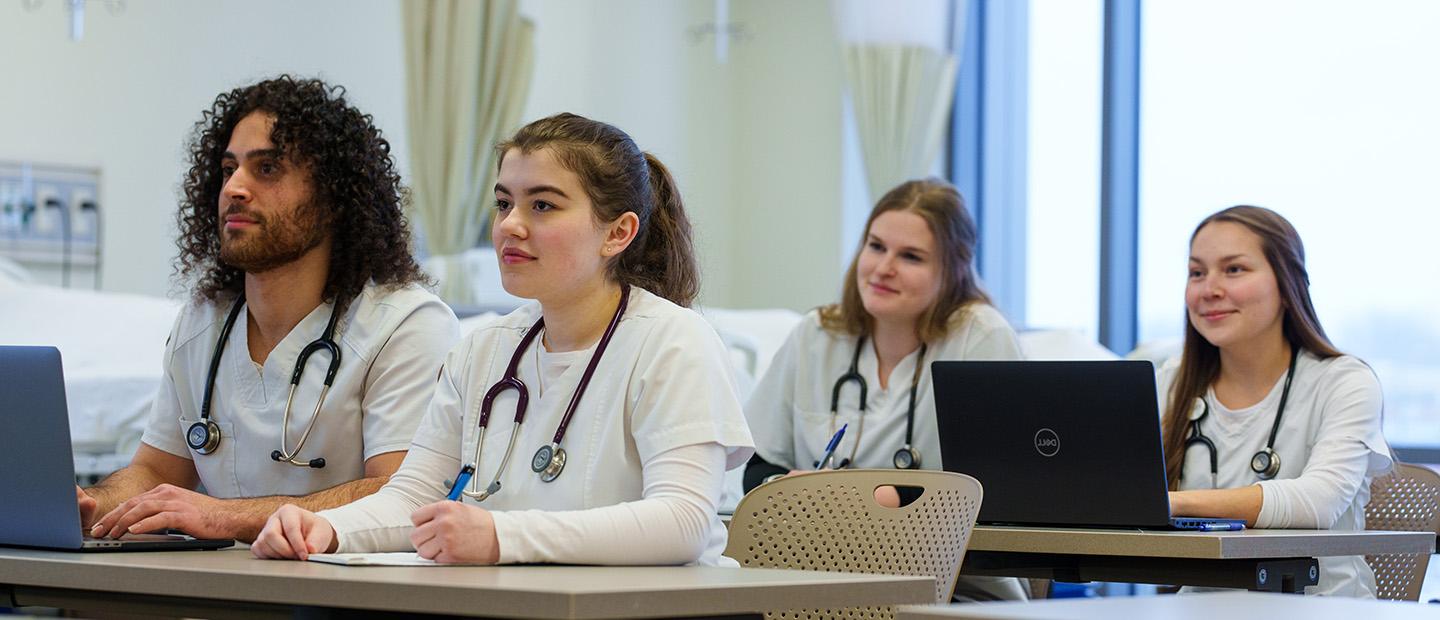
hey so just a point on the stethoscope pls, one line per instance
(549, 460)
(1265, 463)
(204, 436)
(907, 457)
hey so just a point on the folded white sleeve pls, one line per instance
(669, 525)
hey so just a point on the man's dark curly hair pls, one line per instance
(353, 176)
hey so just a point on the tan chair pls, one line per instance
(1404, 500)
(829, 521)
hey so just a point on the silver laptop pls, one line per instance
(37, 466)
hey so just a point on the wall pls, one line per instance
(754, 141)
(125, 97)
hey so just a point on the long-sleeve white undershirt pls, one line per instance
(669, 525)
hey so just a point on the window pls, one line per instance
(1327, 113)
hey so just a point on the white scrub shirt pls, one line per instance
(664, 383)
(392, 342)
(1330, 445)
(789, 412)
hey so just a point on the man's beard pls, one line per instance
(272, 241)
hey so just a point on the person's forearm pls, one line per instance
(124, 484)
(1242, 503)
(247, 516)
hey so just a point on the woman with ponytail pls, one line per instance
(1264, 419)
(591, 427)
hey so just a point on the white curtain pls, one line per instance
(901, 95)
(468, 68)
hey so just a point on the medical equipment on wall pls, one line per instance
(1265, 463)
(549, 460)
(204, 436)
(907, 457)
(50, 220)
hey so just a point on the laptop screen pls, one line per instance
(1056, 443)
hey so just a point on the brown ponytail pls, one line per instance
(619, 177)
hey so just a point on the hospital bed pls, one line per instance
(111, 345)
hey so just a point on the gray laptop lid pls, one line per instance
(37, 469)
(1056, 443)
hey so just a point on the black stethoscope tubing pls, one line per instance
(907, 457)
(1265, 463)
(204, 436)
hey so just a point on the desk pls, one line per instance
(1228, 605)
(1270, 560)
(231, 583)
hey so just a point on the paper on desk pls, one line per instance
(408, 558)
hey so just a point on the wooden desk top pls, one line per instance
(1228, 605)
(503, 591)
(1245, 544)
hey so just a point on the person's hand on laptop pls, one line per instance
(166, 507)
(293, 533)
(87, 506)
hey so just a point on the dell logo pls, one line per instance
(1047, 443)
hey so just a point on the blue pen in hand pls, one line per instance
(460, 482)
(829, 456)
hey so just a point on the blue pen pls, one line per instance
(1222, 527)
(460, 482)
(830, 449)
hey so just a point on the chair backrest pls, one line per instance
(830, 521)
(1408, 500)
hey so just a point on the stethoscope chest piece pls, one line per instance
(1265, 463)
(907, 458)
(203, 436)
(548, 461)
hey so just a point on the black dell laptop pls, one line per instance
(1074, 444)
(37, 466)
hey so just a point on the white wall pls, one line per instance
(124, 98)
(754, 142)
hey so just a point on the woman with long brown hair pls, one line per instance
(910, 297)
(1264, 419)
(623, 389)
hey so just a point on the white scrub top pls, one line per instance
(664, 382)
(1330, 446)
(789, 412)
(392, 342)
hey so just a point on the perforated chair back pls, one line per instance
(829, 521)
(1404, 500)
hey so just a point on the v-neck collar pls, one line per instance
(869, 367)
(274, 377)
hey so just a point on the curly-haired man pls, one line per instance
(291, 234)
